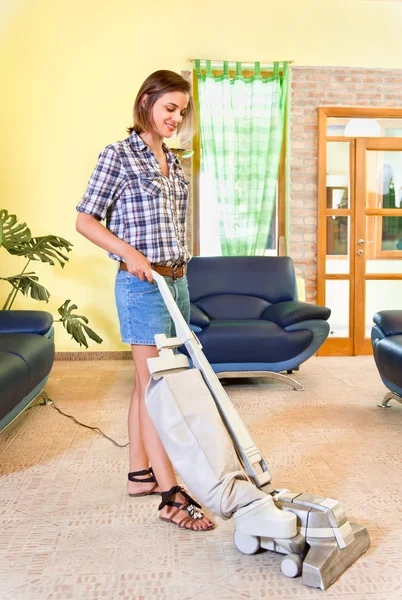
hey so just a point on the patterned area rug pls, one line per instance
(69, 530)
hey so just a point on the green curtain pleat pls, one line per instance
(241, 128)
(287, 163)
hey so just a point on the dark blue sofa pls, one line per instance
(386, 339)
(26, 358)
(246, 314)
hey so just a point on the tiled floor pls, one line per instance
(68, 529)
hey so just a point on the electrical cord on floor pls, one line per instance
(46, 401)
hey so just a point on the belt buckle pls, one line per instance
(174, 270)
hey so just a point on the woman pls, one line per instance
(139, 187)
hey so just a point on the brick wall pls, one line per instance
(311, 88)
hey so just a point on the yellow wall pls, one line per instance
(70, 71)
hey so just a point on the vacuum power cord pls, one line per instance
(46, 401)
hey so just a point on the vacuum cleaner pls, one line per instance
(215, 456)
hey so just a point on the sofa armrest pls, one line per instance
(293, 311)
(25, 321)
(389, 321)
(198, 317)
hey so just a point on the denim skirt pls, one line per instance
(142, 311)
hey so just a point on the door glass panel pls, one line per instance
(337, 259)
(364, 127)
(381, 295)
(383, 235)
(384, 266)
(384, 179)
(337, 174)
(337, 299)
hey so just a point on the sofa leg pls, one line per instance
(277, 376)
(387, 398)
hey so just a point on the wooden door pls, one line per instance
(359, 255)
(378, 233)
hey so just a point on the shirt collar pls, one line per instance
(139, 145)
(136, 142)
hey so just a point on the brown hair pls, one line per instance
(157, 84)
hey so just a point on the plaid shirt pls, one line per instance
(141, 206)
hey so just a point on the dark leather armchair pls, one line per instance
(386, 339)
(26, 358)
(247, 317)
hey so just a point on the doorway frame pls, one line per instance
(341, 346)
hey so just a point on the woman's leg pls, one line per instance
(138, 457)
(160, 462)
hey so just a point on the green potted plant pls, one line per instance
(17, 239)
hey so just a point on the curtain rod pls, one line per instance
(232, 64)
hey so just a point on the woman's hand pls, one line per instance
(138, 265)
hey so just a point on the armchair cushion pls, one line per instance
(233, 306)
(389, 321)
(252, 341)
(293, 311)
(198, 317)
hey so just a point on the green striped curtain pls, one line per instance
(241, 128)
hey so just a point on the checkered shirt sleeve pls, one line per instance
(105, 186)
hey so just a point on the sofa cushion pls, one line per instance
(25, 321)
(293, 311)
(251, 341)
(14, 378)
(35, 350)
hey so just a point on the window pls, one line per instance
(207, 210)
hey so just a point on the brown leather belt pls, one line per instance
(173, 272)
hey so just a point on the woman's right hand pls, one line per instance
(138, 265)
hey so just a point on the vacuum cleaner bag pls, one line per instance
(197, 442)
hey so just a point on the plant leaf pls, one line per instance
(47, 249)
(182, 153)
(27, 284)
(91, 334)
(11, 233)
(76, 325)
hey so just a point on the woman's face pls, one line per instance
(168, 112)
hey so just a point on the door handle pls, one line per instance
(361, 242)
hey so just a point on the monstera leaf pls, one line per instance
(77, 325)
(27, 284)
(47, 249)
(51, 249)
(11, 232)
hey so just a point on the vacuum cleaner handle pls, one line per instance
(251, 457)
(183, 331)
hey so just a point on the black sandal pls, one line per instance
(190, 506)
(151, 479)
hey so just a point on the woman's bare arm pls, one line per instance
(93, 230)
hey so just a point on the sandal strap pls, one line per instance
(166, 498)
(183, 522)
(135, 474)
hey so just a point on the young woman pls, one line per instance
(139, 188)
